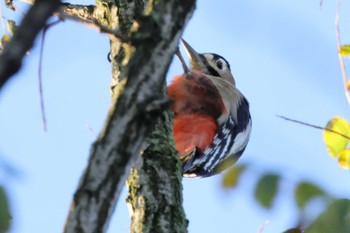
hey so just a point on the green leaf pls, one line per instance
(266, 189)
(232, 176)
(5, 216)
(336, 143)
(344, 159)
(305, 191)
(335, 219)
(345, 50)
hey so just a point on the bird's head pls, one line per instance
(209, 63)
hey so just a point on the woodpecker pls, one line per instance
(212, 122)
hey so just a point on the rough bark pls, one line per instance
(155, 182)
(155, 188)
(23, 39)
(139, 71)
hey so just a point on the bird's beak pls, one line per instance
(196, 61)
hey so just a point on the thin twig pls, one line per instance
(341, 59)
(86, 16)
(113, 35)
(91, 131)
(262, 227)
(314, 126)
(42, 104)
(2, 20)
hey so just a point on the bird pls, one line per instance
(212, 121)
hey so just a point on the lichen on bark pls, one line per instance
(155, 188)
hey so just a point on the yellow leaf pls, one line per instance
(3, 42)
(231, 177)
(345, 50)
(5, 39)
(348, 85)
(336, 142)
(344, 159)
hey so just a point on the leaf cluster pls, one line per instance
(269, 186)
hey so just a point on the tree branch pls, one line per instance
(341, 59)
(23, 39)
(84, 12)
(137, 105)
(113, 35)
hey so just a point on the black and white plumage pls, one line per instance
(232, 120)
(228, 145)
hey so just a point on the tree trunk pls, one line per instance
(138, 81)
(138, 108)
(155, 188)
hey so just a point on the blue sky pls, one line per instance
(283, 55)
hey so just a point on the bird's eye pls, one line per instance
(219, 64)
